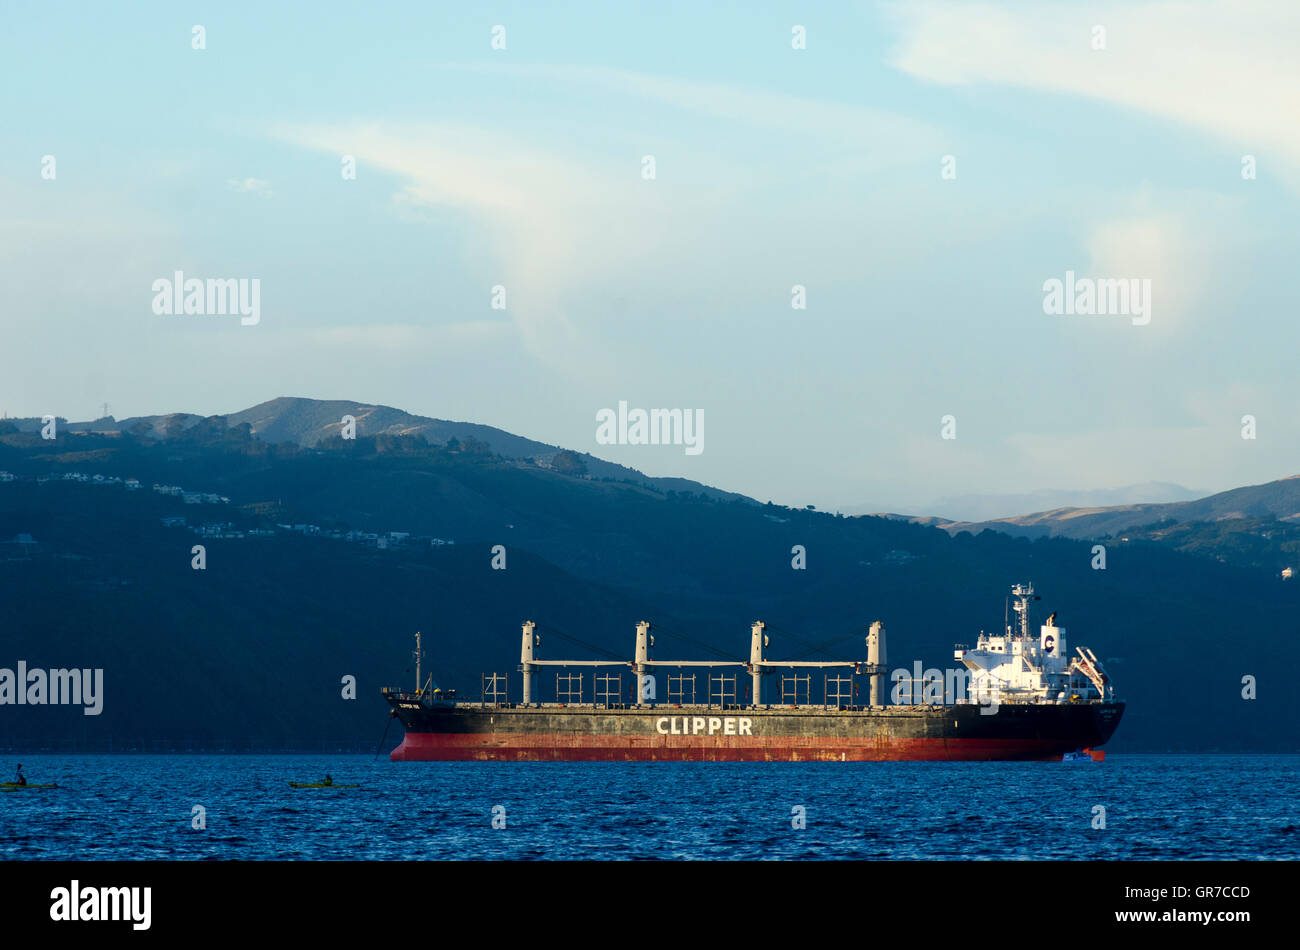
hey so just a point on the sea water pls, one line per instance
(192, 807)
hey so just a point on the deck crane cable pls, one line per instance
(695, 642)
(811, 647)
(548, 629)
(823, 647)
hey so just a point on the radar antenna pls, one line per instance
(1023, 594)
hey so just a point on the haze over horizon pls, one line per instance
(524, 168)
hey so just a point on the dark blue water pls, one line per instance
(1157, 807)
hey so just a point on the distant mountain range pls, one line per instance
(981, 508)
(1081, 514)
(1278, 499)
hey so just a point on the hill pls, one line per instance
(976, 508)
(321, 562)
(1278, 499)
(307, 422)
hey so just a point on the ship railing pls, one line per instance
(494, 689)
(398, 693)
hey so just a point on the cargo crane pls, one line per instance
(642, 665)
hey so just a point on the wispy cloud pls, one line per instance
(897, 136)
(1226, 67)
(540, 212)
(560, 221)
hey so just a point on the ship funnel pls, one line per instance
(876, 662)
(1052, 643)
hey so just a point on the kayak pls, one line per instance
(319, 785)
(14, 786)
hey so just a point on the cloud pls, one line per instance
(562, 226)
(542, 214)
(899, 136)
(252, 186)
(1225, 67)
(1154, 247)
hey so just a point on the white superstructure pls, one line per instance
(1018, 668)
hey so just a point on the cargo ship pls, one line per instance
(1015, 696)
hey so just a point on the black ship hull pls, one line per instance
(472, 731)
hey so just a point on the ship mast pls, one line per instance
(1023, 593)
(419, 654)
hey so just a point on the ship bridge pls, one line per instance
(1017, 667)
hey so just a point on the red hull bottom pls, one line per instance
(469, 747)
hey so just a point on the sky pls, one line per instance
(922, 170)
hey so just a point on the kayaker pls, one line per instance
(328, 781)
(21, 779)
